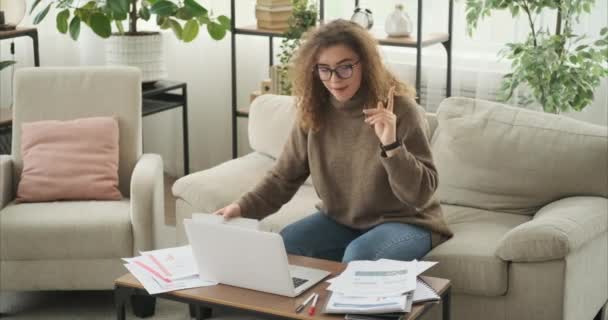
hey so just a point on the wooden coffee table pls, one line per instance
(269, 306)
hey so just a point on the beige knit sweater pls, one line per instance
(358, 187)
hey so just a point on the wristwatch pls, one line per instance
(389, 147)
(363, 17)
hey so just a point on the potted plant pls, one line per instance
(303, 17)
(134, 47)
(560, 68)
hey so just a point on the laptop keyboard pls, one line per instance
(298, 282)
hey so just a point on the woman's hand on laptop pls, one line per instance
(230, 211)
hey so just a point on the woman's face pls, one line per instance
(339, 68)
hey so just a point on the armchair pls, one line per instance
(77, 245)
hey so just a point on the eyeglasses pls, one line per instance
(343, 71)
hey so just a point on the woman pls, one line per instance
(371, 167)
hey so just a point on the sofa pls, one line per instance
(524, 192)
(78, 245)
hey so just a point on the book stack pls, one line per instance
(273, 14)
(379, 288)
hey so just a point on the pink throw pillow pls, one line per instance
(69, 160)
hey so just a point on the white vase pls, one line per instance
(398, 23)
(14, 11)
(144, 51)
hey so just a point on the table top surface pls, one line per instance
(268, 303)
(19, 31)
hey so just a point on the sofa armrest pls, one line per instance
(556, 230)
(6, 180)
(147, 201)
(208, 190)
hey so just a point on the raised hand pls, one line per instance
(383, 119)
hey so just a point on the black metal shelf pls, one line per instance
(161, 102)
(417, 42)
(156, 97)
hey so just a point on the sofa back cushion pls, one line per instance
(271, 118)
(496, 157)
(66, 93)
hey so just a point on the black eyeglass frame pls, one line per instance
(335, 70)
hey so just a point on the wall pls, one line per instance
(205, 65)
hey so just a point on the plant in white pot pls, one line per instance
(133, 47)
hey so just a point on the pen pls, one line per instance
(311, 311)
(303, 304)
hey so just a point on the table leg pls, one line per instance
(143, 305)
(199, 312)
(34, 36)
(121, 296)
(447, 301)
(185, 130)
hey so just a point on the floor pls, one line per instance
(90, 305)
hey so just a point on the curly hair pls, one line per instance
(312, 96)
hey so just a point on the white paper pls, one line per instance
(154, 286)
(376, 278)
(339, 303)
(424, 293)
(172, 263)
(236, 222)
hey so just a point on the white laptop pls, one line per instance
(246, 257)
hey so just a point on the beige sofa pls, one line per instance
(524, 192)
(78, 245)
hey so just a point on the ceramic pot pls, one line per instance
(398, 23)
(142, 50)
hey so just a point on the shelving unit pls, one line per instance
(418, 42)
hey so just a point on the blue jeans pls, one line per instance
(321, 237)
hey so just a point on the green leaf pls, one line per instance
(204, 19)
(162, 22)
(190, 30)
(195, 8)
(514, 10)
(601, 43)
(119, 26)
(144, 13)
(100, 25)
(40, 16)
(604, 31)
(62, 20)
(36, 2)
(224, 21)
(164, 8)
(118, 7)
(176, 27)
(184, 14)
(4, 64)
(216, 30)
(579, 48)
(75, 28)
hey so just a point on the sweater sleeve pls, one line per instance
(281, 183)
(411, 172)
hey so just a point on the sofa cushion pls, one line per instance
(271, 118)
(66, 230)
(69, 160)
(469, 258)
(507, 159)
